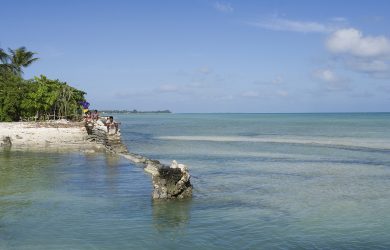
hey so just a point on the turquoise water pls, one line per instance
(262, 181)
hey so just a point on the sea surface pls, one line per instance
(261, 181)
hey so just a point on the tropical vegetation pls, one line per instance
(39, 98)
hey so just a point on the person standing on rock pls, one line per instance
(111, 123)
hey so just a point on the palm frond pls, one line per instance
(4, 57)
(21, 57)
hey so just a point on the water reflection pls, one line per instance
(112, 160)
(21, 172)
(171, 214)
(5, 153)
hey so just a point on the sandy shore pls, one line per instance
(45, 134)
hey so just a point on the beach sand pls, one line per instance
(60, 133)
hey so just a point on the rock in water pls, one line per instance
(6, 141)
(171, 182)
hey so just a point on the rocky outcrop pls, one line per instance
(96, 134)
(169, 182)
(112, 141)
(172, 182)
(6, 142)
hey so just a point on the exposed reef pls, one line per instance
(169, 182)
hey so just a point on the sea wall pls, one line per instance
(169, 182)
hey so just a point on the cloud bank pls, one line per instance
(331, 81)
(351, 41)
(360, 53)
(326, 75)
(223, 7)
(281, 24)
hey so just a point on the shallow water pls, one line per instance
(261, 181)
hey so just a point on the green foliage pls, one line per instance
(3, 56)
(39, 98)
(5, 66)
(12, 91)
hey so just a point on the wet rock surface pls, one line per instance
(171, 182)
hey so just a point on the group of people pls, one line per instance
(108, 121)
(90, 117)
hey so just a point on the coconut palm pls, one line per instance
(20, 58)
(4, 59)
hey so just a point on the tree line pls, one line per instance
(39, 98)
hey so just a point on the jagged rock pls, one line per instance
(170, 182)
(6, 141)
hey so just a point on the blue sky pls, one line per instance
(210, 56)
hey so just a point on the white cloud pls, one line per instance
(369, 66)
(265, 93)
(277, 80)
(250, 93)
(224, 97)
(133, 94)
(204, 70)
(351, 41)
(326, 75)
(363, 54)
(339, 19)
(281, 24)
(364, 94)
(223, 7)
(191, 88)
(332, 82)
(282, 93)
(168, 88)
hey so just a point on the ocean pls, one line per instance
(261, 181)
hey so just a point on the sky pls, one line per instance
(210, 56)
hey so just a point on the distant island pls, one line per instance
(134, 111)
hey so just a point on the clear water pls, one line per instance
(262, 181)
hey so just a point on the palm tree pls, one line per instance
(19, 58)
(4, 59)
